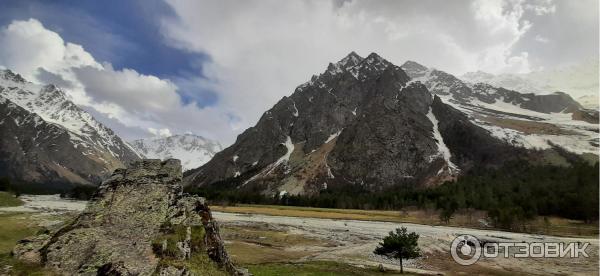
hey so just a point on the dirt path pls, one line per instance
(355, 240)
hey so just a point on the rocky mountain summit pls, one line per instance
(47, 140)
(363, 121)
(138, 223)
(193, 150)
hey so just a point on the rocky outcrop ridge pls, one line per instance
(139, 223)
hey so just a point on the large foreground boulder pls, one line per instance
(139, 223)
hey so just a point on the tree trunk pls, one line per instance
(401, 268)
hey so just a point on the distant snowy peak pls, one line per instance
(413, 69)
(590, 101)
(192, 150)
(577, 80)
(479, 90)
(508, 81)
(524, 119)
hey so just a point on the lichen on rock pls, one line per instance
(139, 222)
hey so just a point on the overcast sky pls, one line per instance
(212, 67)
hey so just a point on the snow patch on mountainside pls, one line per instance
(290, 148)
(584, 137)
(193, 151)
(333, 136)
(443, 150)
(295, 113)
(271, 167)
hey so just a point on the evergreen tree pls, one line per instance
(399, 245)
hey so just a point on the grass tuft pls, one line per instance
(14, 227)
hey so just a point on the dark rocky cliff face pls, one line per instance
(363, 121)
(138, 223)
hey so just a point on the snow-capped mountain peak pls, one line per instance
(360, 68)
(414, 69)
(10, 76)
(47, 139)
(52, 104)
(350, 60)
(192, 150)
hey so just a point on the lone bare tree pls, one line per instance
(400, 245)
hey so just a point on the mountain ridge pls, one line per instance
(578, 81)
(61, 143)
(524, 119)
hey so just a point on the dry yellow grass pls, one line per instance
(9, 199)
(262, 235)
(249, 253)
(260, 244)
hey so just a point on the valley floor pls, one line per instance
(261, 239)
(328, 243)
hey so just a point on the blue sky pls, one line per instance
(123, 33)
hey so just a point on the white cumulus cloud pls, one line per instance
(124, 98)
(164, 132)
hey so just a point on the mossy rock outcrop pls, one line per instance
(138, 223)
